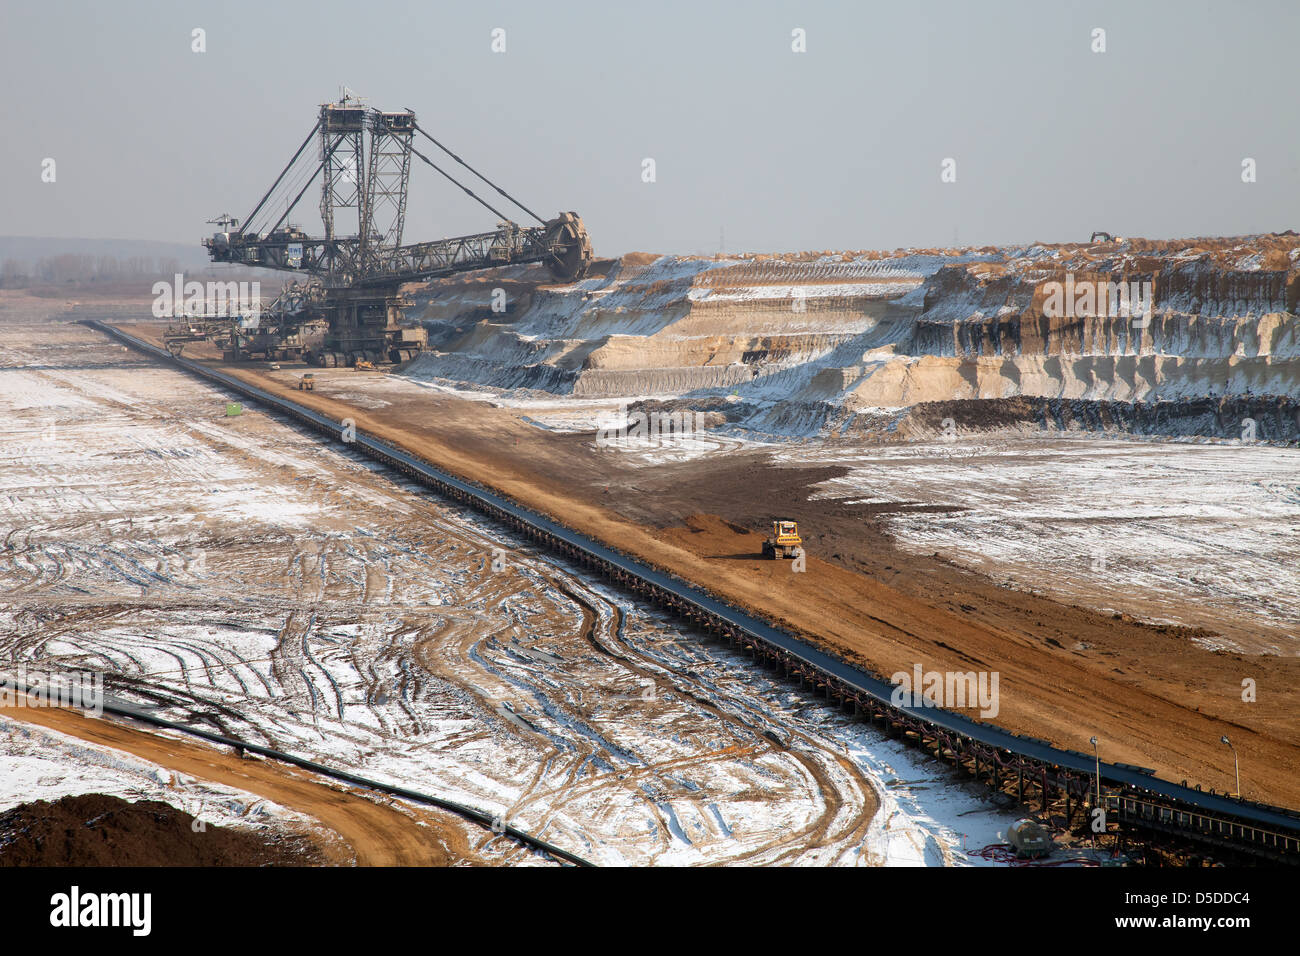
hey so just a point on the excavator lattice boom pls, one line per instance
(350, 307)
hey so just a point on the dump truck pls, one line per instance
(307, 383)
(784, 541)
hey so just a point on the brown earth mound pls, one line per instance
(100, 830)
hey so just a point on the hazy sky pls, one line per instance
(837, 147)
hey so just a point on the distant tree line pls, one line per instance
(73, 268)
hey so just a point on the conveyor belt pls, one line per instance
(123, 708)
(1131, 779)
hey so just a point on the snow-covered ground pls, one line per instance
(1193, 533)
(1202, 532)
(43, 764)
(238, 573)
(804, 341)
(789, 293)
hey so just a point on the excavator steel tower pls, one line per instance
(351, 307)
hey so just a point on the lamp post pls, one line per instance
(1097, 755)
(1236, 767)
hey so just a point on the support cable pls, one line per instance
(319, 167)
(257, 208)
(469, 192)
(288, 188)
(479, 175)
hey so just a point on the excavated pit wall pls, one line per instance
(802, 347)
(1276, 421)
(637, 345)
(979, 338)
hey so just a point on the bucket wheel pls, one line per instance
(570, 249)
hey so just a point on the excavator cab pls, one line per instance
(784, 542)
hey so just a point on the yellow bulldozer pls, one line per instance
(784, 541)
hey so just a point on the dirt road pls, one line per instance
(370, 832)
(1154, 697)
(242, 575)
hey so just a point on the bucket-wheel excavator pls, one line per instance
(351, 307)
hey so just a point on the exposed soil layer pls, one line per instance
(96, 829)
(1274, 419)
(806, 345)
(240, 574)
(357, 830)
(1153, 696)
